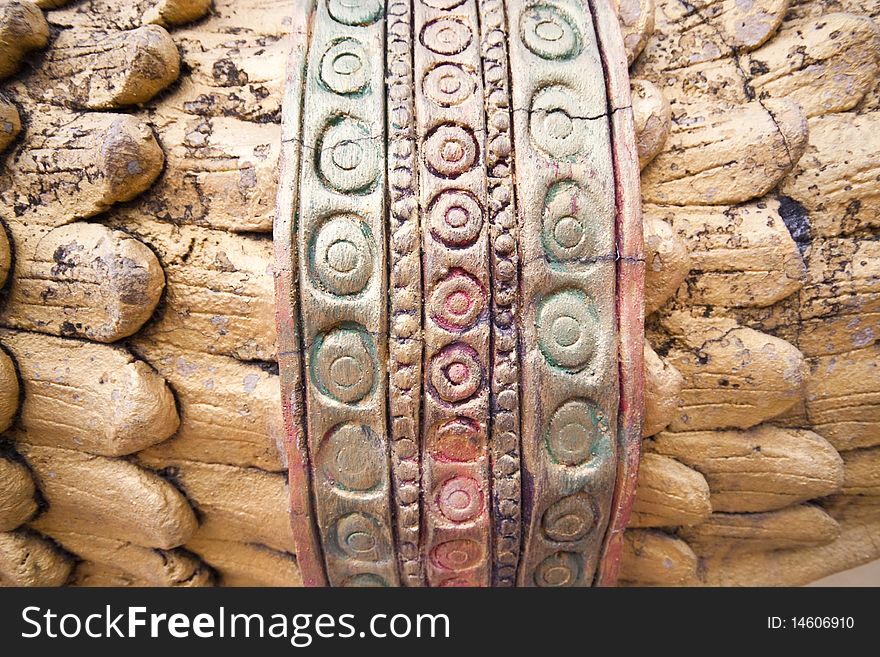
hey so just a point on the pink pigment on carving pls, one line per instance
(455, 441)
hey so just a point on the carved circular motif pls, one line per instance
(344, 363)
(442, 4)
(549, 32)
(560, 569)
(450, 150)
(355, 12)
(455, 218)
(348, 157)
(457, 582)
(567, 323)
(457, 554)
(566, 230)
(351, 457)
(457, 301)
(457, 440)
(446, 36)
(359, 536)
(556, 125)
(455, 373)
(345, 67)
(577, 431)
(341, 255)
(459, 499)
(365, 580)
(569, 519)
(449, 84)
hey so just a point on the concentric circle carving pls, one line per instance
(365, 580)
(455, 373)
(342, 255)
(443, 4)
(447, 35)
(560, 569)
(556, 123)
(451, 150)
(567, 324)
(455, 218)
(569, 519)
(549, 32)
(457, 554)
(348, 156)
(459, 499)
(345, 67)
(355, 12)
(577, 431)
(449, 84)
(566, 230)
(344, 365)
(457, 301)
(457, 582)
(457, 440)
(351, 458)
(360, 536)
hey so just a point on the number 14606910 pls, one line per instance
(811, 623)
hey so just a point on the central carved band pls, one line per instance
(459, 281)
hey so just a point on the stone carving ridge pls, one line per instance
(341, 236)
(564, 167)
(456, 270)
(500, 289)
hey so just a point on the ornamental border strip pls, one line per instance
(459, 279)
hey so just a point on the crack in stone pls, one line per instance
(479, 131)
(747, 77)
